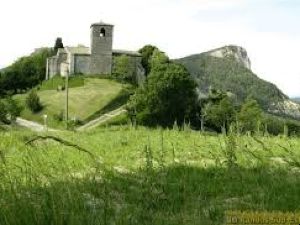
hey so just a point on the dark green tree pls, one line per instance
(220, 114)
(146, 53)
(58, 44)
(250, 116)
(167, 96)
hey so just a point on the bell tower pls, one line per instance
(101, 48)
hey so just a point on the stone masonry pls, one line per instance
(96, 60)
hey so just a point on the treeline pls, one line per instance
(222, 112)
(25, 73)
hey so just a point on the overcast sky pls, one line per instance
(268, 29)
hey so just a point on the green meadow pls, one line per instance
(121, 175)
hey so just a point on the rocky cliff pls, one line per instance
(238, 53)
(286, 107)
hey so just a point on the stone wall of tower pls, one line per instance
(101, 49)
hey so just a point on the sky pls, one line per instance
(268, 29)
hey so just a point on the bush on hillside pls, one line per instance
(10, 109)
(33, 102)
(14, 108)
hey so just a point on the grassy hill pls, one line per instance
(88, 97)
(144, 176)
(229, 75)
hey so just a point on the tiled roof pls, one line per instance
(125, 52)
(61, 50)
(101, 24)
(80, 50)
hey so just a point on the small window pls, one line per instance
(102, 32)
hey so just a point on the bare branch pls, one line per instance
(64, 142)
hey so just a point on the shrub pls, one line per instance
(33, 102)
(3, 113)
(10, 109)
(13, 108)
(59, 116)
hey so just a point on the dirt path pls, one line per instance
(102, 119)
(34, 126)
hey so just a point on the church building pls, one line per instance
(98, 59)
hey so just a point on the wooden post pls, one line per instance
(47, 69)
(45, 122)
(67, 99)
(202, 122)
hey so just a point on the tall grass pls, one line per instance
(144, 176)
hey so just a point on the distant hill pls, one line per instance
(229, 69)
(296, 99)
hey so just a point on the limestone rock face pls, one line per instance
(238, 53)
(286, 107)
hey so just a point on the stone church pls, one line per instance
(97, 60)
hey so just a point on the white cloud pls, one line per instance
(172, 25)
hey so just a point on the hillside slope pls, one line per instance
(85, 102)
(228, 69)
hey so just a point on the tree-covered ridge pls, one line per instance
(26, 72)
(228, 75)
